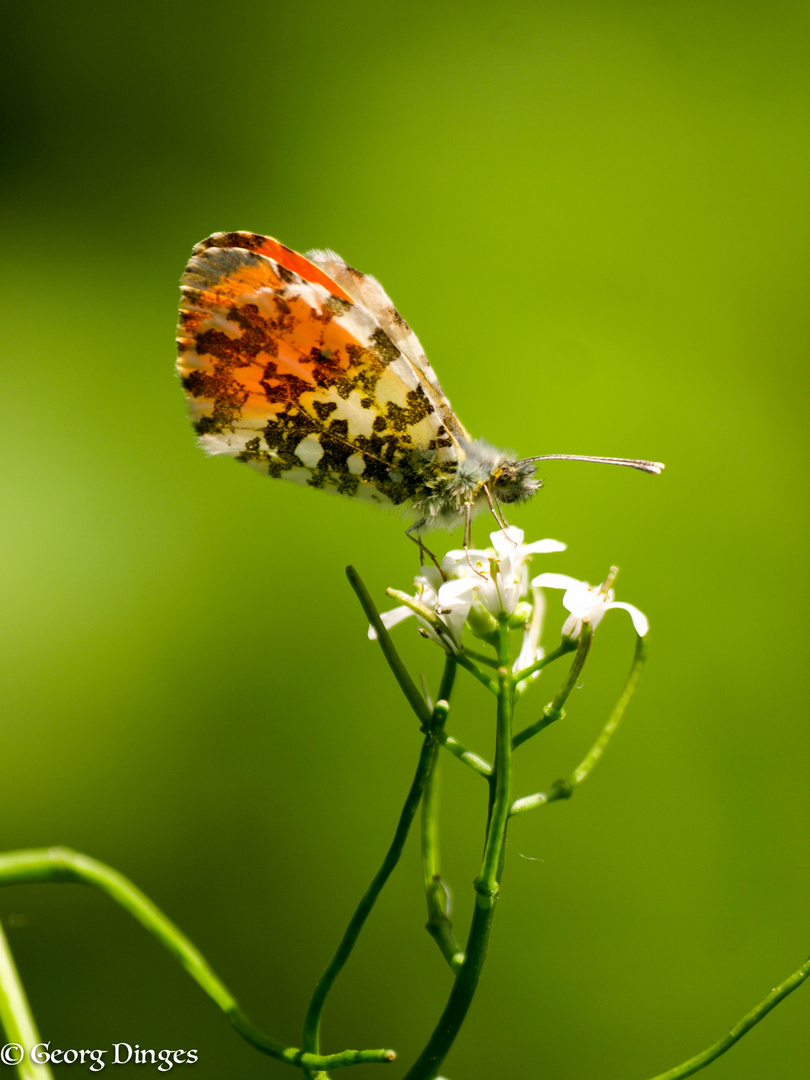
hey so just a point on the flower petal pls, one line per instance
(557, 581)
(641, 623)
(542, 546)
(505, 541)
(432, 576)
(585, 602)
(451, 592)
(390, 618)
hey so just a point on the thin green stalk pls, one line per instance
(554, 710)
(16, 1018)
(487, 879)
(486, 885)
(406, 683)
(564, 789)
(62, 864)
(439, 924)
(548, 717)
(609, 730)
(560, 789)
(471, 759)
(706, 1057)
(468, 665)
(427, 757)
(565, 647)
(481, 658)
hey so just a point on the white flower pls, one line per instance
(530, 648)
(441, 607)
(495, 580)
(500, 572)
(589, 602)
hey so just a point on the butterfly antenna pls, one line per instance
(655, 467)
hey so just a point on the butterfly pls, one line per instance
(301, 367)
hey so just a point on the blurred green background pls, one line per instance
(596, 218)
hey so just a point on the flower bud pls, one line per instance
(521, 615)
(482, 623)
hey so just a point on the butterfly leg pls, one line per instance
(468, 538)
(412, 535)
(495, 507)
(467, 528)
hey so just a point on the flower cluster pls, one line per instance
(476, 588)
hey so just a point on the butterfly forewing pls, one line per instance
(291, 371)
(368, 292)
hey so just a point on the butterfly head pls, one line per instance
(514, 481)
(506, 479)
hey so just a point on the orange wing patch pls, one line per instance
(280, 253)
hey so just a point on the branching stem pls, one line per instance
(486, 884)
(427, 756)
(62, 864)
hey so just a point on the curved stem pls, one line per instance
(615, 718)
(62, 864)
(16, 1019)
(427, 756)
(706, 1057)
(564, 789)
(554, 710)
(486, 885)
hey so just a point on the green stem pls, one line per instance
(62, 864)
(486, 885)
(565, 647)
(481, 658)
(487, 879)
(16, 1019)
(554, 710)
(564, 789)
(429, 1061)
(406, 683)
(459, 750)
(609, 730)
(427, 757)
(560, 789)
(439, 924)
(548, 717)
(468, 665)
(699, 1061)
